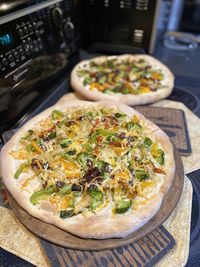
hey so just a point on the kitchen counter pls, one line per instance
(182, 63)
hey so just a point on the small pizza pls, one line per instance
(95, 169)
(130, 79)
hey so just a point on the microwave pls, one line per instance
(108, 24)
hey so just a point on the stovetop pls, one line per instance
(187, 91)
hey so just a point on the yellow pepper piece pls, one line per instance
(118, 150)
(122, 175)
(128, 86)
(156, 76)
(142, 186)
(96, 86)
(135, 119)
(69, 165)
(146, 184)
(64, 203)
(71, 169)
(144, 89)
(36, 147)
(154, 151)
(106, 85)
(71, 174)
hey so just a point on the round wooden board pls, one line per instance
(65, 239)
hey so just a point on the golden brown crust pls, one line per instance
(128, 99)
(102, 225)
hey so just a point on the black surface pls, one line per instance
(185, 96)
(10, 260)
(194, 256)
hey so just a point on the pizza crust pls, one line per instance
(104, 224)
(128, 99)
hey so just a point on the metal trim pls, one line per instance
(28, 10)
(154, 27)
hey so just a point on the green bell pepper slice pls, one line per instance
(65, 189)
(20, 169)
(96, 198)
(161, 158)
(41, 195)
(56, 114)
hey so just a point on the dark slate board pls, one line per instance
(144, 252)
(172, 121)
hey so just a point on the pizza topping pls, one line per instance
(27, 135)
(66, 213)
(41, 195)
(147, 142)
(130, 76)
(96, 198)
(141, 174)
(65, 143)
(88, 158)
(76, 187)
(65, 189)
(158, 154)
(21, 168)
(36, 164)
(60, 184)
(57, 114)
(122, 206)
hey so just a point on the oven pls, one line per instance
(38, 45)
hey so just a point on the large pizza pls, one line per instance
(97, 170)
(130, 79)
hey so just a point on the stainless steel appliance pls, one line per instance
(38, 43)
(118, 22)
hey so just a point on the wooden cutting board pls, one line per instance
(62, 238)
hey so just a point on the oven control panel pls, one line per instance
(18, 43)
(38, 47)
(44, 31)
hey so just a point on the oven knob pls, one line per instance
(26, 49)
(29, 40)
(16, 54)
(35, 25)
(21, 33)
(68, 30)
(21, 51)
(5, 62)
(25, 30)
(10, 58)
(57, 17)
(30, 28)
(32, 48)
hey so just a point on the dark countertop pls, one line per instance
(182, 63)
